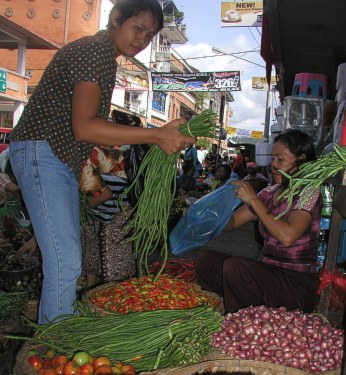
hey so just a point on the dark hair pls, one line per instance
(131, 8)
(299, 143)
(227, 168)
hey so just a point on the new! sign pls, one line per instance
(3, 79)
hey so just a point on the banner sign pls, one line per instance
(207, 82)
(261, 84)
(131, 80)
(236, 132)
(241, 13)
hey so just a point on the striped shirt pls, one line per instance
(106, 211)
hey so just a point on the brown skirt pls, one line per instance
(106, 252)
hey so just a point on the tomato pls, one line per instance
(119, 364)
(35, 362)
(81, 358)
(104, 370)
(59, 369)
(87, 369)
(47, 362)
(101, 361)
(127, 369)
(59, 360)
(48, 371)
(71, 368)
(49, 354)
(116, 370)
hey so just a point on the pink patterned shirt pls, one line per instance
(302, 255)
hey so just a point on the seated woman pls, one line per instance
(287, 274)
(186, 181)
(108, 256)
(222, 173)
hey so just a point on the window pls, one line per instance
(159, 101)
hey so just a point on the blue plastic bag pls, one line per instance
(204, 220)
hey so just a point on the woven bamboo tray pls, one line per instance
(217, 363)
(86, 299)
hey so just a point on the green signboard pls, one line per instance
(3, 79)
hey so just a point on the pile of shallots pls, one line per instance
(276, 335)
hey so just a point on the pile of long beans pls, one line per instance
(149, 225)
(146, 340)
(312, 175)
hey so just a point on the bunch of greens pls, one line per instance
(312, 175)
(149, 225)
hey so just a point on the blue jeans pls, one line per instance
(50, 192)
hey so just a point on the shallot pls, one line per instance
(277, 335)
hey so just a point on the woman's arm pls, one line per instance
(104, 196)
(286, 231)
(240, 217)
(87, 127)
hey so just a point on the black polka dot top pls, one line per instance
(47, 116)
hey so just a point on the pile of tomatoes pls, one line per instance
(81, 364)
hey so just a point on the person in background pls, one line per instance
(286, 275)
(108, 256)
(200, 157)
(222, 174)
(211, 159)
(192, 156)
(256, 179)
(187, 182)
(8, 185)
(65, 117)
(239, 164)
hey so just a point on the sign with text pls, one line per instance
(261, 84)
(241, 13)
(237, 132)
(206, 82)
(3, 80)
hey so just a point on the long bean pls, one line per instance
(308, 179)
(159, 338)
(148, 226)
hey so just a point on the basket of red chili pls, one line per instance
(147, 293)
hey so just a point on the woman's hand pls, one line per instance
(171, 140)
(244, 191)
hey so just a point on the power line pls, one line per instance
(202, 57)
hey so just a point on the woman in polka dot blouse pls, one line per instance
(65, 117)
(287, 274)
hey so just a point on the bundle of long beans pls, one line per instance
(312, 175)
(147, 340)
(149, 225)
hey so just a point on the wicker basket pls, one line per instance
(86, 299)
(22, 366)
(216, 362)
(31, 310)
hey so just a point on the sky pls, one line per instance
(204, 31)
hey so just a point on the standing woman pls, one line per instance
(65, 117)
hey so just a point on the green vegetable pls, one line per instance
(11, 305)
(148, 226)
(146, 340)
(312, 175)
